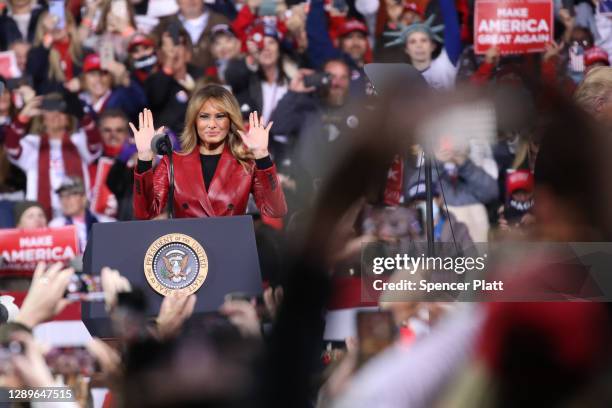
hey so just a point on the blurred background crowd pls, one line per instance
(519, 152)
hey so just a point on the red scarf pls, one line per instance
(63, 48)
(72, 167)
(395, 178)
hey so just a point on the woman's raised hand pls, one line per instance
(144, 134)
(256, 139)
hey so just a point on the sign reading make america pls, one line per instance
(515, 26)
(21, 250)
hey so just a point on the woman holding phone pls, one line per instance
(218, 166)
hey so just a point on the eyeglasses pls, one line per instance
(67, 194)
(583, 43)
(114, 130)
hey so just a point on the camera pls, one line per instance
(53, 103)
(319, 80)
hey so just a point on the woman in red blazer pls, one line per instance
(219, 165)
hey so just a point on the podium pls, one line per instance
(207, 256)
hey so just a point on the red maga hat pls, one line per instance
(92, 63)
(594, 55)
(519, 180)
(140, 39)
(352, 25)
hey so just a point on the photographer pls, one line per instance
(311, 117)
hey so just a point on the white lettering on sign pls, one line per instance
(513, 26)
(513, 12)
(38, 254)
(28, 242)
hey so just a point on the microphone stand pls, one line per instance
(171, 186)
(429, 225)
(162, 145)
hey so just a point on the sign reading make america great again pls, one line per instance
(515, 26)
(21, 250)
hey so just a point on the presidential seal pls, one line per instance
(175, 262)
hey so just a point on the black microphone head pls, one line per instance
(161, 144)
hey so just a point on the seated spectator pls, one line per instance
(18, 22)
(446, 226)
(195, 17)
(110, 87)
(29, 215)
(74, 210)
(54, 149)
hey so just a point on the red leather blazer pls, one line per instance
(228, 191)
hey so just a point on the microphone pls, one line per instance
(161, 144)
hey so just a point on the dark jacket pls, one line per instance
(38, 67)
(202, 58)
(246, 85)
(130, 99)
(228, 193)
(168, 99)
(120, 181)
(9, 32)
(472, 184)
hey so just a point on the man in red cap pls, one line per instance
(143, 60)
(110, 86)
(350, 43)
(353, 40)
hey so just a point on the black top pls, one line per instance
(209, 165)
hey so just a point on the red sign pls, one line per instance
(8, 65)
(103, 201)
(21, 250)
(515, 26)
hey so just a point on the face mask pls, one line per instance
(112, 151)
(145, 63)
(515, 209)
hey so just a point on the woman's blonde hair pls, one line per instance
(594, 88)
(75, 50)
(227, 103)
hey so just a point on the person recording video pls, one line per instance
(219, 165)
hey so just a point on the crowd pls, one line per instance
(514, 141)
